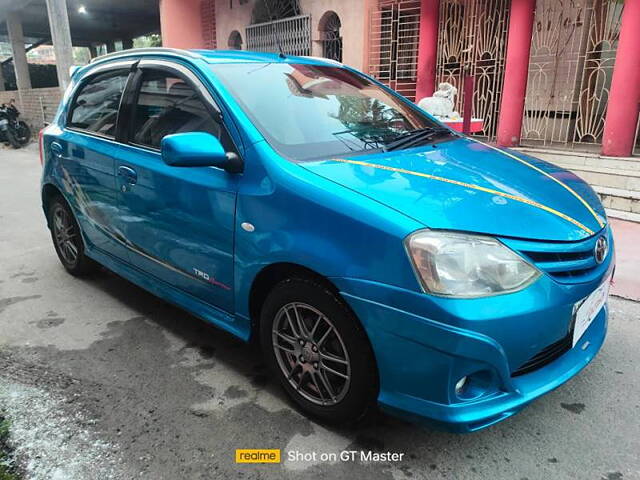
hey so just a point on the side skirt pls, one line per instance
(238, 325)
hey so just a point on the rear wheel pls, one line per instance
(23, 133)
(20, 136)
(318, 351)
(67, 239)
(12, 138)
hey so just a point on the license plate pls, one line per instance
(588, 309)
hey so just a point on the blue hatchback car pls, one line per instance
(378, 257)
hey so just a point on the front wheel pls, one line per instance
(318, 350)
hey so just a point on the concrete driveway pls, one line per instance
(102, 380)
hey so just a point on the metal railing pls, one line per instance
(472, 38)
(393, 48)
(294, 34)
(330, 38)
(573, 51)
(636, 143)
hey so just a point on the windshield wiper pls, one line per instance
(370, 141)
(415, 137)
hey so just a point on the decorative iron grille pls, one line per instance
(330, 37)
(472, 38)
(268, 10)
(294, 34)
(393, 50)
(235, 41)
(636, 145)
(573, 51)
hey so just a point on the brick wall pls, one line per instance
(37, 106)
(208, 15)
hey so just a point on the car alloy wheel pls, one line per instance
(65, 235)
(311, 354)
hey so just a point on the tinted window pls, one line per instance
(311, 111)
(96, 105)
(166, 105)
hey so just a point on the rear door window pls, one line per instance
(95, 108)
(166, 105)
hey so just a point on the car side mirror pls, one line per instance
(198, 149)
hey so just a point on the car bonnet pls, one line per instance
(467, 185)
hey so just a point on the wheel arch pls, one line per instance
(49, 192)
(270, 276)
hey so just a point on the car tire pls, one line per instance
(23, 134)
(308, 359)
(12, 138)
(67, 239)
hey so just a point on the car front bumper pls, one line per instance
(423, 345)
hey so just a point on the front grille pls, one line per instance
(566, 262)
(545, 356)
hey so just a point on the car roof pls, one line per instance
(244, 56)
(219, 56)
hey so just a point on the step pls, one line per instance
(619, 199)
(583, 159)
(619, 214)
(606, 177)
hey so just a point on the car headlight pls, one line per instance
(467, 266)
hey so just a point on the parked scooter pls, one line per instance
(13, 130)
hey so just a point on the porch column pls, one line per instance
(181, 24)
(16, 38)
(61, 39)
(516, 72)
(624, 97)
(427, 48)
(93, 51)
(111, 46)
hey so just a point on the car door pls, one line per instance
(87, 148)
(178, 221)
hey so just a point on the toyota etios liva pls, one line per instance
(379, 257)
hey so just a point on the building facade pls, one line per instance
(561, 77)
(571, 47)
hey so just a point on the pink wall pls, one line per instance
(622, 111)
(181, 24)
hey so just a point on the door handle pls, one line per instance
(56, 149)
(128, 174)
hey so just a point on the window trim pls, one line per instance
(122, 65)
(132, 94)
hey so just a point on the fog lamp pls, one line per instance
(460, 385)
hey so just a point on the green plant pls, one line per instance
(151, 40)
(7, 472)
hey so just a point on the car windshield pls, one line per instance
(308, 112)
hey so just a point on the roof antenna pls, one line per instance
(276, 36)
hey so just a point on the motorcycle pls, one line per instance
(13, 130)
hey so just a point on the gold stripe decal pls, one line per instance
(546, 174)
(469, 185)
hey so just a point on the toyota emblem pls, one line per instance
(601, 249)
